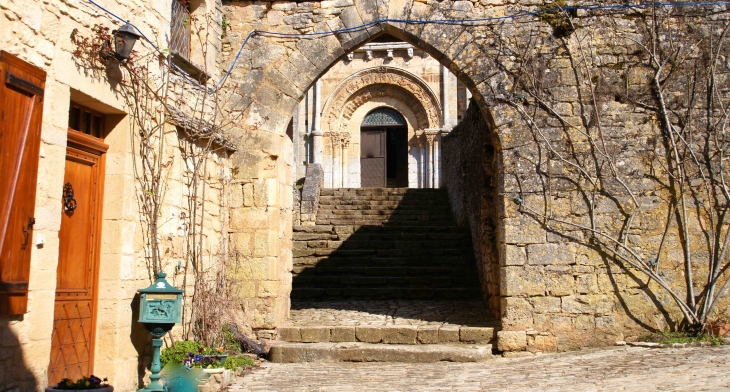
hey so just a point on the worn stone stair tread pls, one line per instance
(287, 352)
(389, 334)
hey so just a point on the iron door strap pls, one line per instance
(26, 232)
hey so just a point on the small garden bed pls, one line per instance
(679, 339)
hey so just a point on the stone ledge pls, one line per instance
(287, 352)
(404, 335)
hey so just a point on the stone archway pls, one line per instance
(275, 75)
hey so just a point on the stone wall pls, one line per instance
(558, 290)
(469, 176)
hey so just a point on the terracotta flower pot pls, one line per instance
(104, 389)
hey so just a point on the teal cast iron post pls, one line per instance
(155, 368)
(160, 308)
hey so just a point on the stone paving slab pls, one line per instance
(390, 312)
(612, 369)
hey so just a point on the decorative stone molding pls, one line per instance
(430, 135)
(350, 56)
(345, 139)
(374, 82)
(369, 55)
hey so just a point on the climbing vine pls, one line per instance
(180, 138)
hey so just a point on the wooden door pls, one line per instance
(372, 158)
(21, 107)
(74, 320)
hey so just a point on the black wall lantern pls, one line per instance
(124, 40)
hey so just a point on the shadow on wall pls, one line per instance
(385, 245)
(142, 342)
(470, 172)
(14, 375)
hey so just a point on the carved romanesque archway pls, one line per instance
(363, 86)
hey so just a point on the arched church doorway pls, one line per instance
(384, 149)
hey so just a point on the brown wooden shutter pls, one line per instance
(21, 109)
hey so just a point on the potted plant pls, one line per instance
(211, 360)
(91, 383)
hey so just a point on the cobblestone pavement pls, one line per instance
(611, 369)
(390, 312)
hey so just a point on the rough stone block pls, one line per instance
(290, 334)
(315, 334)
(476, 334)
(342, 334)
(511, 340)
(543, 344)
(513, 255)
(599, 304)
(428, 334)
(518, 281)
(402, 334)
(369, 334)
(448, 334)
(546, 254)
(517, 312)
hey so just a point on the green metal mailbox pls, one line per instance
(160, 308)
(161, 303)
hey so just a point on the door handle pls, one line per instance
(69, 203)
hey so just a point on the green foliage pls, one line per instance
(178, 351)
(238, 361)
(91, 382)
(229, 343)
(554, 14)
(667, 337)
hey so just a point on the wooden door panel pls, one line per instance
(72, 342)
(72, 347)
(21, 109)
(372, 158)
(77, 226)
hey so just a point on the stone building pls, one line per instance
(358, 94)
(367, 93)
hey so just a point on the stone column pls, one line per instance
(345, 159)
(336, 138)
(430, 135)
(449, 97)
(317, 145)
(317, 104)
(422, 159)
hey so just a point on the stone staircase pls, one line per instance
(384, 243)
(384, 275)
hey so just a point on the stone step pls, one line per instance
(354, 280)
(351, 243)
(420, 293)
(382, 252)
(388, 334)
(420, 265)
(287, 352)
(464, 272)
(320, 228)
(375, 222)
